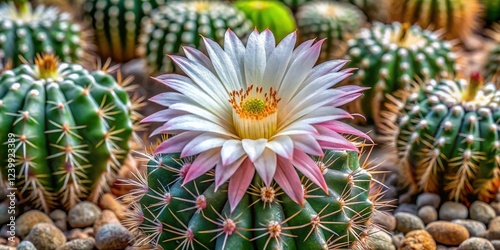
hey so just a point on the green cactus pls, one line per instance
(447, 139)
(294, 4)
(491, 10)
(117, 25)
(338, 22)
(492, 68)
(68, 131)
(375, 10)
(269, 14)
(181, 23)
(25, 32)
(197, 216)
(457, 18)
(390, 57)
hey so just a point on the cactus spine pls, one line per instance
(196, 215)
(447, 139)
(70, 127)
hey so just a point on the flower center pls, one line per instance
(254, 112)
(47, 66)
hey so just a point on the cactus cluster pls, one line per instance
(196, 215)
(69, 130)
(447, 138)
(269, 14)
(26, 31)
(336, 21)
(390, 57)
(458, 18)
(117, 25)
(183, 24)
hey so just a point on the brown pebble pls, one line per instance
(13, 243)
(494, 229)
(112, 236)
(89, 231)
(46, 236)
(58, 214)
(3, 241)
(61, 224)
(107, 217)
(108, 201)
(79, 244)
(447, 233)
(418, 240)
(28, 220)
(77, 233)
(84, 214)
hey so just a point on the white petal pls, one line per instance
(325, 68)
(201, 112)
(236, 53)
(255, 60)
(297, 128)
(307, 144)
(163, 115)
(176, 143)
(197, 56)
(203, 143)
(282, 146)
(195, 123)
(265, 165)
(267, 38)
(278, 62)
(225, 70)
(231, 151)
(254, 148)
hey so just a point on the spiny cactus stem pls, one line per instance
(404, 32)
(476, 82)
(47, 66)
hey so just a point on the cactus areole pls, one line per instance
(68, 131)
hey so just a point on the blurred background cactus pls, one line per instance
(26, 31)
(269, 14)
(491, 9)
(180, 24)
(390, 57)
(447, 140)
(375, 10)
(71, 129)
(294, 4)
(338, 22)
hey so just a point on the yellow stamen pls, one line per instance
(475, 83)
(47, 66)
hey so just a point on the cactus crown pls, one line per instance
(46, 66)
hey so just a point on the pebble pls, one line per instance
(452, 211)
(496, 206)
(482, 212)
(405, 198)
(83, 214)
(28, 220)
(4, 215)
(398, 239)
(107, 217)
(496, 244)
(476, 243)
(58, 214)
(475, 228)
(26, 245)
(494, 229)
(79, 244)
(406, 222)
(77, 233)
(89, 231)
(61, 224)
(383, 219)
(112, 236)
(406, 208)
(447, 233)
(46, 236)
(108, 201)
(379, 240)
(4, 247)
(428, 199)
(428, 214)
(418, 240)
(14, 242)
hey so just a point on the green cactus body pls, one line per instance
(183, 24)
(458, 18)
(390, 57)
(117, 25)
(69, 128)
(492, 68)
(196, 216)
(26, 32)
(294, 4)
(269, 14)
(448, 140)
(338, 22)
(373, 9)
(491, 10)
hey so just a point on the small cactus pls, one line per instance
(269, 14)
(389, 57)
(457, 18)
(26, 31)
(447, 138)
(338, 22)
(69, 130)
(181, 23)
(197, 215)
(117, 25)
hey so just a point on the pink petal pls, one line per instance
(282, 146)
(309, 168)
(332, 140)
(288, 179)
(343, 128)
(203, 143)
(163, 115)
(254, 148)
(307, 143)
(224, 172)
(238, 185)
(202, 164)
(266, 166)
(176, 143)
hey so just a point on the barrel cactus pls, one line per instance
(458, 18)
(294, 4)
(27, 31)
(491, 10)
(390, 57)
(180, 24)
(269, 14)
(117, 25)
(447, 139)
(375, 10)
(338, 22)
(68, 131)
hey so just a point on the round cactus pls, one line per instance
(170, 214)
(68, 131)
(447, 138)
(373, 9)
(26, 32)
(390, 57)
(458, 18)
(294, 4)
(184, 23)
(268, 14)
(338, 22)
(491, 10)
(117, 25)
